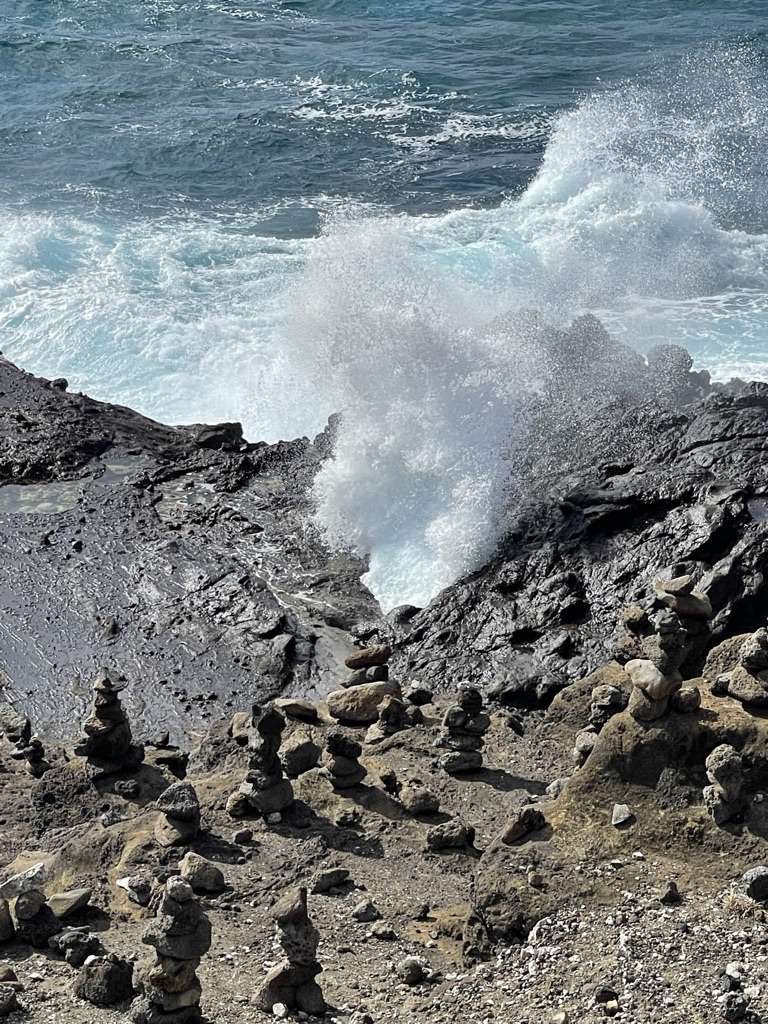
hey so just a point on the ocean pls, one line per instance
(272, 211)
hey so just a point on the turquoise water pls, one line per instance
(234, 209)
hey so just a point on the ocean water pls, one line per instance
(271, 211)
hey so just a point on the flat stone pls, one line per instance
(293, 707)
(368, 657)
(31, 878)
(65, 903)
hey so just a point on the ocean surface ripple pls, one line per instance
(272, 211)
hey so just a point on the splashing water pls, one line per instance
(640, 210)
(650, 209)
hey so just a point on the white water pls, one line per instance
(649, 209)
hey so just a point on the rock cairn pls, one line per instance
(340, 761)
(464, 726)
(748, 681)
(181, 936)
(368, 665)
(656, 646)
(266, 791)
(365, 690)
(33, 752)
(107, 742)
(724, 797)
(291, 983)
(392, 719)
(179, 820)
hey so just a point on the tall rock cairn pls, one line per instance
(464, 727)
(181, 936)
(292, 981)
(657, 643)
(107, 742)
(266, 791)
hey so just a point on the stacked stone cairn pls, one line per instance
(724, 797)
(266, 791)
(107, 742)
(368, 665)
(291, 983)
(33, 752)
(464, 727)
(393, 718)
(748, 681)
(181, 935)
(179, 820)
(607, 701)
(662, 641)
(340, 761)
(364, 691)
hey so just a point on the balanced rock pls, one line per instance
(724, 796)
(265, 790)
(32, 752)
(179, 820)
(181, 936)
(340, 761)
(392, 719)
(292, 981)
(107, 742)
(464, 726)
(369, 657)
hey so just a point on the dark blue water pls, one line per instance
(266, 211)
(157, 105)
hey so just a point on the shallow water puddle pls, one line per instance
(63, 495)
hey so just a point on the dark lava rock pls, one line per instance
(105, 981)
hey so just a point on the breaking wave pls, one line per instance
(649, 209)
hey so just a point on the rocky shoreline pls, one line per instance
(539, 800)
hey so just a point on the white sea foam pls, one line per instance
(650, 209)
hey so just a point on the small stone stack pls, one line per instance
(748, 681)
(392, 719)
(679, 632)
(362, 694)
(108, 743)
(33, 752)
(724, 797)
(266, 791)
(179, 819)
(464, 726)
(292, 981)
(368, 665)
(181, 935)
(340, 761)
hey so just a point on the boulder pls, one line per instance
(202, 874)
(360, 704)
(105, 981)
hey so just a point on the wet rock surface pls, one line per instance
(125, 542)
